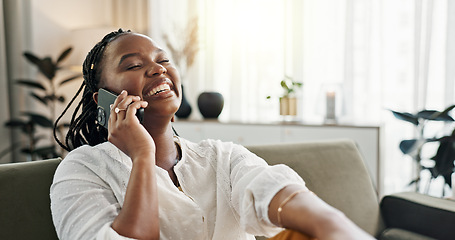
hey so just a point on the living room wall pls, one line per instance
(45, 28)
(56, 25)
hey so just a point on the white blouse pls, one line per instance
(225, 193)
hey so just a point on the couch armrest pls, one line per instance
(419, 213)
(24, 199)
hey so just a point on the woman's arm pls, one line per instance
(138, 217)
(306, 213)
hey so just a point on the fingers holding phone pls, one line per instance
(107, 101)
(123, 123)
(124, 103)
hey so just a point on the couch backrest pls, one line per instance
(24, 200)
(335, 171)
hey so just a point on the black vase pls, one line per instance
(210, 104)
(184, 109)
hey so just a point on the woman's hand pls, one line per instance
(125, 130)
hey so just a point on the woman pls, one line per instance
(139, 181)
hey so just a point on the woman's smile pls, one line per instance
(160, 88)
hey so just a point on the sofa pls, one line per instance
(334, 170)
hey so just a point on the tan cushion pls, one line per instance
(334, 170)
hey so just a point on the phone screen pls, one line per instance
(105, 99)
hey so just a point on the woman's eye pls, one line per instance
(134, 66)
(164, 61)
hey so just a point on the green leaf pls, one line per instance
(48, 68)
(435, 115)
(448, 109)
(298, 84)
(40, 120)
(433, 139)
(39, 98)
(45, 65)
(407, 146)
(28, 128)
(32, 58)
(64, 54)
(51, 97)
(405, 116)
(30, 83)
(70, 79)
(284, 85)
(15, 123)
(444, 159)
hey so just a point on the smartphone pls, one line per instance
(105, 99)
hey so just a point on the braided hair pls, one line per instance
(83, 128)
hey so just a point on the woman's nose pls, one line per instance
(156, 69)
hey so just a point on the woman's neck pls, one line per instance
(166, 150)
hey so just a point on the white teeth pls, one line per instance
(159, 89)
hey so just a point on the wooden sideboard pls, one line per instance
(367, 137)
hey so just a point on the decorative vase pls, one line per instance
(185, 107)
(288, 106)
(210, 104)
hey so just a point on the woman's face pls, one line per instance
(134, 63)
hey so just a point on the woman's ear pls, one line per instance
(95, 97)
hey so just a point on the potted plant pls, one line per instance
(445, 154)
(288, 101)
(45, 92)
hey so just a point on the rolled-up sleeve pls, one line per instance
(254, 184)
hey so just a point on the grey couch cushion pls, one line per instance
(335, 171)
(24, 199)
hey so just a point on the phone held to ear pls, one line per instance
(105, 99)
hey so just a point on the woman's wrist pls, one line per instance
(144, 158)
(286, 200)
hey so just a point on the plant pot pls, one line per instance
(185, 107)
(210, 104)
(288, 106)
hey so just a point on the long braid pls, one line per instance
(83, 128)
(63, 113)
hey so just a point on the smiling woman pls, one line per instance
(139, 180)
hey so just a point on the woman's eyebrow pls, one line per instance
(127, 56)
